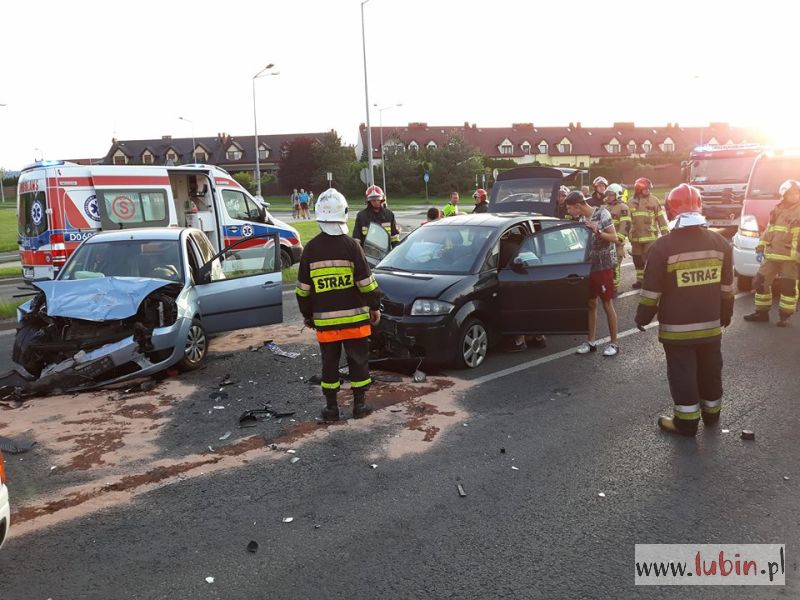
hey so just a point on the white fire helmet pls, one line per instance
(615, 190)
(331, 212)
(600, 181)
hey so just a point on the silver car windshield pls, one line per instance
(439, 249)
(157, 259)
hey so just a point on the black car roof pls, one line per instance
(489, 219)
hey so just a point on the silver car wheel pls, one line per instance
(476, 344)
(196, 344)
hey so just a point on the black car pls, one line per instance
(531, 189)
(455, 286)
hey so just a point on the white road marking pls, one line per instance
(568, 352)
(8, 332)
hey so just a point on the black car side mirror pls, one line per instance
(518, 264)
(204, 276)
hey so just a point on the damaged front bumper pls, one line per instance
(412, 337)
(116, 362)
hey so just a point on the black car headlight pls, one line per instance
(423, 307)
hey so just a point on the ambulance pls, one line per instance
(60, 204)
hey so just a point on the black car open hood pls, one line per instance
(404, 288)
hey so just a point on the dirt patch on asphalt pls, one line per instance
(106, 428)
(121, 435)
(249, 338)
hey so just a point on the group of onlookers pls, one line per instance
(302, 203)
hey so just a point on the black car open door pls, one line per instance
(376, 244)
(545, 287)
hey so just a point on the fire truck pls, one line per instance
(721, 174)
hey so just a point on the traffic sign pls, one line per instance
(426, 177)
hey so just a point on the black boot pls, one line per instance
(710, 419)
(360, 406)
(331, 410)
(759, 316)
(678, 426)
(783, 318)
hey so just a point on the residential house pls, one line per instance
(570, 146)
(234, 154)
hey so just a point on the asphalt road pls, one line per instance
(133, 524)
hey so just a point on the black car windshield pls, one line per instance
(158, 259)
(524, 190)
(769, 174)
(735, 169)
(439, 249)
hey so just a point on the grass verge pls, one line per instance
(8, 308)
(8, 272)
(290, 274)
(8, 230)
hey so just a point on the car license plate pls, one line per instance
(722, 223)
(27, 272)
(95, 368)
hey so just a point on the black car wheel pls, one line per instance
(286, 259)
(196, 347)
(473, 344)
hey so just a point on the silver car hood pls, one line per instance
(101, 299)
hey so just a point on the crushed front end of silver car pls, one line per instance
(81, 334)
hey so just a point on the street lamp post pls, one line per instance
(261, 73)
(371, 177)
(2, 181)
(380, 126)
(194, 146)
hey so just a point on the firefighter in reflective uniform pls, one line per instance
(481, 201)
(648, 221)
(376, 212)
(339, 297)
(561, 204)
(598, 197)
(621, 215)
(778, 253)
(688, 284)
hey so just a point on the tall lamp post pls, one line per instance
(261, 73)
(380, 126)
(371, 177)
(2, 181)
(194, 146)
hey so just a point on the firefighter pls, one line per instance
(648, 222)
(598, 197)
(481, 201)
(375, 212)
(777, 251)
(561, 204)
(621, 216)
(688, 283)
(339, 297)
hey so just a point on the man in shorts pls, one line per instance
(302, 198)
(601, 279)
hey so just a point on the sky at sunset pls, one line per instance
(78, 73)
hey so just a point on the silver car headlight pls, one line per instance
(430, 307)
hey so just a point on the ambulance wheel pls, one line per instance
(286, 259)
(745, 284)
(472, 344)
(196, 348)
